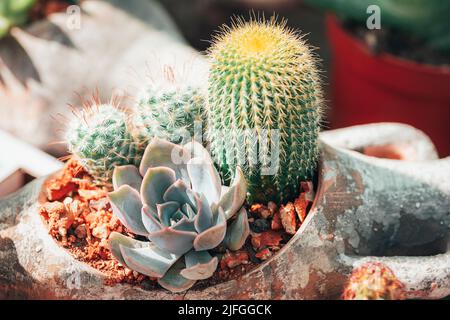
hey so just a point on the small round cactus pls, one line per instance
(373, 281)
(264, 107)
(102, 138)
(171, 111)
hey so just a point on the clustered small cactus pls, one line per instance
(176, 200)
(373, 281)
(101, 137)
(13, 13)
(263, 88)
(104, 135)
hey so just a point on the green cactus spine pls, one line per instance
(170, 111)
(263, 82)
(102, 138)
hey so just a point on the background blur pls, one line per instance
(199, 19)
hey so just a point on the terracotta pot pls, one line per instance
(370, 88)
(366, 209)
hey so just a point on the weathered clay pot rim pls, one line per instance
(42, 198)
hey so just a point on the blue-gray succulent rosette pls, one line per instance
(175, 199)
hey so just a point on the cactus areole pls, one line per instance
(176, 200)
(264, 107)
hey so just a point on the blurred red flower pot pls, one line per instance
(375, 88)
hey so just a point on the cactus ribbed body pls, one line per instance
(170, 113)
(101, 138)
(263, 83)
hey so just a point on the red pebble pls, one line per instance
(264, 254)
(268, 238)
(233, 259)
(276, 222)
(300, 205)
(92, 194)
(57, 192)
(287, 214)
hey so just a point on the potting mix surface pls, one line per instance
(80, 219)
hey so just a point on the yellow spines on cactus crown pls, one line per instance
(263, 77)
(258, 38)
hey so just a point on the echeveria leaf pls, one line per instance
(116, 239)
(127, 175)
(233, 198)
(126, 205)
(199, 265)
(178, 192)
(150, 220)
(204, 179)
(188, 211)
(185, 224)
(212, 237)
(196, 150)
(166, 211)
(237, 231)
(172, 240)
(155, 183)
(204, 217)
(163, 153)
(174, 281)
(150, 261)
